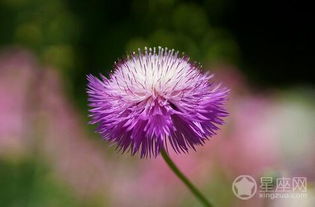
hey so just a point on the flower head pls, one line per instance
(154, 99)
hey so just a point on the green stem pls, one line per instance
(185, 180)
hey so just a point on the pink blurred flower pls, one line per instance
(17, 74)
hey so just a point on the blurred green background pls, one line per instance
(49, 156)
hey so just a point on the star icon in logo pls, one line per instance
(244, 187)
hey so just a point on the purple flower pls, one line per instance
(154, 99)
